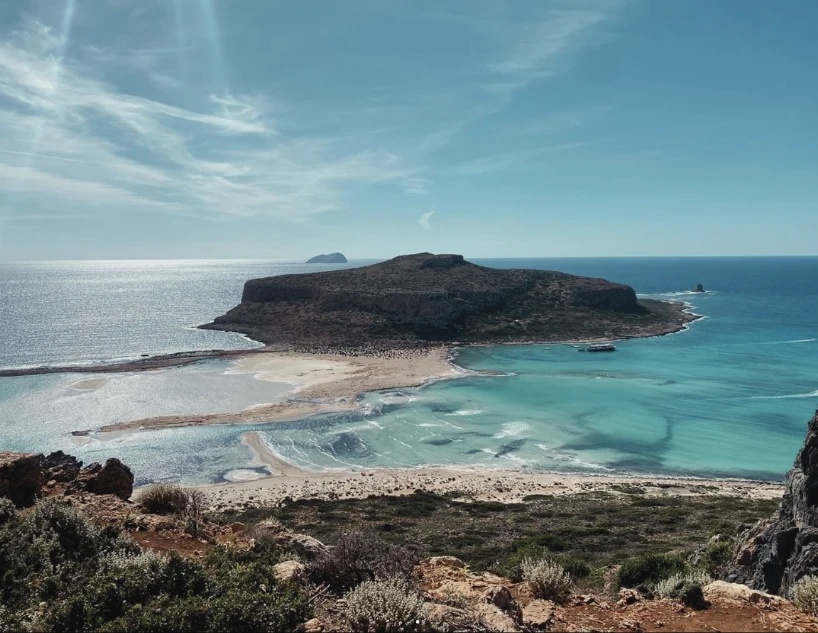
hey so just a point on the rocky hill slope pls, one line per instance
(421, 298)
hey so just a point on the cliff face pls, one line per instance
(427, 297)
(774, 554)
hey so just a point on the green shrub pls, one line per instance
(391, 605)
(686, 588)
(649, 569)
(805, 594)
(546, 579)
(716, 557)
(7, 510)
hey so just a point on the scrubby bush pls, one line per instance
(805, 594)
(686, 588)
(716, 556)
(7, 510)
(360, 556)
(547, 579)
(649, 569)
(169, 498)
(389, 605)
(60, 572)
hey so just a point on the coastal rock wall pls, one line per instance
(774, 554)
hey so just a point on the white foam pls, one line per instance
(512, 429)
(466, 412)
(813, 394)
(799, 340)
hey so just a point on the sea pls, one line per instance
(729, 396)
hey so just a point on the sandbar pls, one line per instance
(322, 383)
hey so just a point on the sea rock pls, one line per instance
(332, 258)
(774, 554)
(698, 288)
(21, 477)
(114, 478)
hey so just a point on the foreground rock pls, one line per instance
(774, 554)
(416, 299)
(20, 477)
(26, 476)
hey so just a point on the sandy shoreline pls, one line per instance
(288, 481)
(322, 383)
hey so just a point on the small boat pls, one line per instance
(601, 347)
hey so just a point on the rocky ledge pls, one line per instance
(774, 554)
(423, 298)
(26, 476)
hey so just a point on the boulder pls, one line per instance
(21, 477)
(61, 467)
(311, 626)
(734, 592)
(290, 571)
(539, 615)
(302, 544)
(442, 617)
(494, 619)
(114, 478)
(446, 561)
(774, 554)
(501, 597)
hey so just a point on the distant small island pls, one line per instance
(332, 258)
(698, 288)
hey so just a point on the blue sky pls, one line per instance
(272, 129)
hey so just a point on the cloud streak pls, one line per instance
(224, 158)
(424, 219)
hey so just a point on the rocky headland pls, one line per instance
(415, 300)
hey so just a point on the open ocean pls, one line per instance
(728, 397)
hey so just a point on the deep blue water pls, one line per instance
(730, 396)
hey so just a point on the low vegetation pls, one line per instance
(391, 605)
(686, 588)
(805, 594)
(188, 504)
(650, 569)
(62, 573)
(546, 579)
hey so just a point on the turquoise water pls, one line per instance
(731, 396)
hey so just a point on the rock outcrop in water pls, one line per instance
(775, 553)
(698, 288)
(416, 299)
(332, 258)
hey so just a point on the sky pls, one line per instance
(526, 128)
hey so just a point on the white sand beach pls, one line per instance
(505, 486)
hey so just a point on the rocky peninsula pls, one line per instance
(416, 300)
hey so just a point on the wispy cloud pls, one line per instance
(507, 160)
(424, 219)
(70, 137)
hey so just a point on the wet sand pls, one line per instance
(505, 486)
(321, 383)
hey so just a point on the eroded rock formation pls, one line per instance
(774, 554)
(20, 477)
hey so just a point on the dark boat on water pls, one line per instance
(601, 347)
